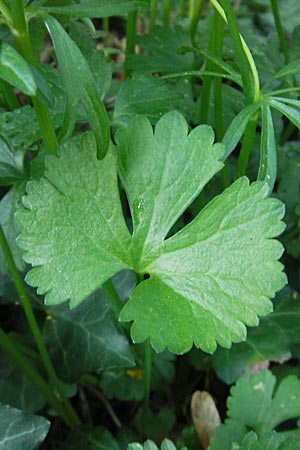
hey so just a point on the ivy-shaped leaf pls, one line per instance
(21, 430)
(206, 282)
(252, 405)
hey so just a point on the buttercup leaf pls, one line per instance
(75, 235)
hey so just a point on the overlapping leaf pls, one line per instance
(265, 410)
(21, 430)
(93, 331)
(271, 340)
(206, 282)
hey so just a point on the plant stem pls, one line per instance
(9, 95)
(279, 29)
(218, 91)
(35, 329)
(247, 145)
(206, 85)
(19, 30)
(244, 57)
(8, 345)
(154, 4)
(106, 29)
(130, 35)
(195, 19)
(218, 95)
(113, 297)
(166, 12)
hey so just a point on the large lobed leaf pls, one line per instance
(206, 282)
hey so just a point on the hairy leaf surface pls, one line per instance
(206, 282)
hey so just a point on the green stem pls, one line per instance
(247, 145)
(113, 297)
(131, 35)
(218, 91)
(148, 372)
(195, 19)
(106, 29)
(218, 95)
(154, 4)
(19, 29)
(279, 29)
(9, 95)
(9, 347)
(35, 329)
(166, 12)
(244, 57)
(206, 85)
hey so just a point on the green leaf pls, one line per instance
(15, 70)
(129, 384)
(265, 410)
(17, 391)
(288, 169)
(145, 95)
(19, 430)
(291, 113)
(269, 441)
(84, 218)
(9, 204)
(11, 165)
(268, 150)
(161, 54)
(97, 438)
(93, 331)
(289, 69)
(155, 424)
(75, 235)
(98, 8)
(80, 87)
(198, 267)
(150, 445)
(271, 340)
(19, 128)
(168, 173)
(237, 128)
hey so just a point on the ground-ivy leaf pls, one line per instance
(75, 233)
(264, 410)
(93, 331)
(21, 430)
